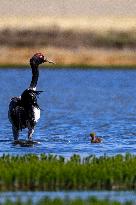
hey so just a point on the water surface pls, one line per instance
(75, 103)
(120, 196)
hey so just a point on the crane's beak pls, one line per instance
(49, 61)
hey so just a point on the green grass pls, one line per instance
(31, 172)
(58, 201)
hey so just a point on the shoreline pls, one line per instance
(71, 66)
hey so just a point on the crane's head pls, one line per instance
(39, 58)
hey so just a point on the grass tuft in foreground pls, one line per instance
(50, 172)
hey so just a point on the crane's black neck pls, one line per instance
(35, 75)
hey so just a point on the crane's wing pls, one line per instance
(16, 114)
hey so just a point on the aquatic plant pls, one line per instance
(51, 172)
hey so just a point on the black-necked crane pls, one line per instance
(24, 111)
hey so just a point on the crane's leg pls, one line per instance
(15, 133)
(30, 133)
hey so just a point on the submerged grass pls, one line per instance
(49, 172)
(66, 201)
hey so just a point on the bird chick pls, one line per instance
(94, 138)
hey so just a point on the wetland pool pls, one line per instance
(75, 103)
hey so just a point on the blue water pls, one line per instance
(120, 196)
(75, 103)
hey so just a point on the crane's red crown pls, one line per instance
(39, 55)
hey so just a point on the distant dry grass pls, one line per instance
(97, 57)
(95, 23)
(69, 41)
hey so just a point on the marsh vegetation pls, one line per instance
(50, 172)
